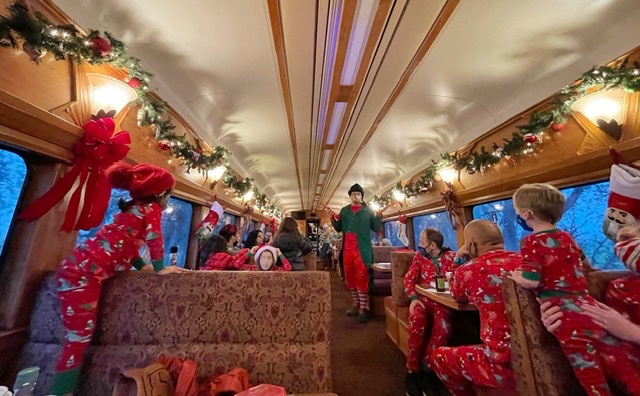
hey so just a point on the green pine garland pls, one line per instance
(620, 76)
(39, 36)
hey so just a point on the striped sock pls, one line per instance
(356, 301)
(363, 299)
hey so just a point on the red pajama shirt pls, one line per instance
(420, 346)
(553, 258)
(114, 249)
(487, 365)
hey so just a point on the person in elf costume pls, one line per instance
(356, 221)
(429, 321)
(480, 283)
(114, 249)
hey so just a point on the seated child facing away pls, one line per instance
(218, 258)
(552, 266)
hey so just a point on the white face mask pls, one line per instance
(629, 253)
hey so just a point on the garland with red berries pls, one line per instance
(37, 36)
(529, 136)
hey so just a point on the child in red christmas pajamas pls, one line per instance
(113, 249)
(479, 282)
(551, 266)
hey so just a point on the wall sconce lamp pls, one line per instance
(248, 195)
(218, 172)
(448, 176)
(604, 109)
(108, 94)
(398, 196)
(374, 206)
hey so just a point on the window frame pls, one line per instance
(19, 205)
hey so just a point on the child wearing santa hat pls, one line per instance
(114, 249)
(267, 259)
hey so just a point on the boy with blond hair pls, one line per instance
(552, 266)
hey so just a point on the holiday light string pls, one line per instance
(529, 136)
(39, 36)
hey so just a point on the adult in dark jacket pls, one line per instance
(291, 243)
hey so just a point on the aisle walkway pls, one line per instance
(365, 361)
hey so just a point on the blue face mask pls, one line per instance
(423, 252)
(523, 224)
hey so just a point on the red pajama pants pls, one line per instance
(79, 281)
(430, 325)
(356, 275)
(592, 352)
(460, 368)
(623, 295)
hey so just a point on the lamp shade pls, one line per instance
(602, 105)
(448, 175)
(107, 93)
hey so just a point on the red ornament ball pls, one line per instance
(100, 46)
(134, 83)
(530, 138)
(558, 126)
(164, 145)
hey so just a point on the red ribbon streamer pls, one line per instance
(98, 149)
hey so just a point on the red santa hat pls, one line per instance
(624, 186)
(140, 180)
(402, 219)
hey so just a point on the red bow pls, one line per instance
(98, 149)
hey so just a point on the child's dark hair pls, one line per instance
(213, 244)
(126, 204)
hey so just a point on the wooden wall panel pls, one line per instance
(48, 87)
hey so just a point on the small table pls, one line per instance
(443, 298)
(382, 267)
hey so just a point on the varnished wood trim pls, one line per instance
(427, 42)
(344, 92)
(275, 17)
(20, 116)
(631, 115)
(349, 8)
(377, 27)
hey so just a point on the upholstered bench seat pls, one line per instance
(273, 324)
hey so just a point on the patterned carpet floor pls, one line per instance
(365, 362)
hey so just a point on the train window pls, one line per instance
(584, 210)
(176, 226)
(439, 221)
(176, 223)
(391, 233)
(13, 173)
(226, 218)
(375, 238)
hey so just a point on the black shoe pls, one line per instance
(412, 384)
(430, 384)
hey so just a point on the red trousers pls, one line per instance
(356, 275)
(431, 325)
(592, 352)
(461, 367)
(79, 282)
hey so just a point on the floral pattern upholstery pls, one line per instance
(539, 365)
(273, 324)
(400, 263)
